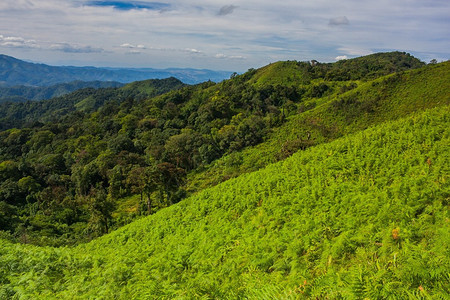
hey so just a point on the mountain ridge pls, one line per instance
(17, 72)
(23, 93)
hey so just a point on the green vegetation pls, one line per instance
(297, 180)
(365, 216)
(86, 100)
(349, 109)
(76, 167)
(25, 93)
(362, 68)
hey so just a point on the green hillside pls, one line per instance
(361, 68)
(319, 120)
(77, 167)
(364, 216)
(84, 99)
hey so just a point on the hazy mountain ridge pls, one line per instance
(17, 72)
(24, 93)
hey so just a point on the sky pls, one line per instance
(219, 35)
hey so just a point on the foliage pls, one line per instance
(325, 119)
(364, 216)
(84, 100)
(125, 142)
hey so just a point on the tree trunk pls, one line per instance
(106, 225)
(149, 205)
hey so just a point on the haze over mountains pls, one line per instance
(22, 93)
(17, 72)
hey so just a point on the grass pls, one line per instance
(371, 103)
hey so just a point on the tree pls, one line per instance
(183, 149)
(167, 178)
(28, 186)
(8, 216)
(101, 206)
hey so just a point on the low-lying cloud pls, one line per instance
(223, 56)
(69, 48)
(17, 42)
(131, 46)
(341, 57)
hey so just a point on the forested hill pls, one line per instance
(346, 194)
(83, 100)
(363, 217)
(15, 72)
(77, 167)
(24, 93)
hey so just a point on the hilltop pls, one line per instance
(341, 110)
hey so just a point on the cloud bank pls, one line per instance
(17, 42)
(219, 35)
(69, 48)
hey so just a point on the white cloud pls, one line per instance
(191, 33)
(341, 57)
(133, 51)
(70, 48)
(223, 56)
(17, 42)
(355, 51)
(130, 46)
(190, 50)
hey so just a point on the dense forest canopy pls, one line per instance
(362, 217)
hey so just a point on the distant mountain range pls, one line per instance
(15, 72)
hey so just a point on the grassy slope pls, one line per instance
(363, 216)
(374, 102)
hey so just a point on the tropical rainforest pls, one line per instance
(295, 180)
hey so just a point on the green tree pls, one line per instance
(101, 208)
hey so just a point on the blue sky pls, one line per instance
(221, 35)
